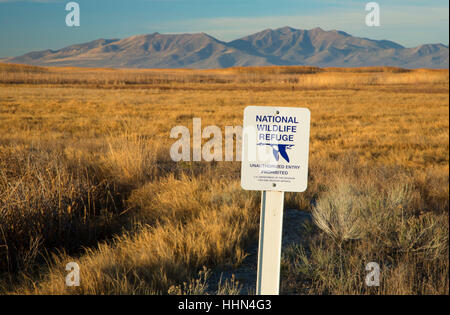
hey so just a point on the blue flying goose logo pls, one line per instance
(279, 149)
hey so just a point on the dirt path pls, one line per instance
(246, 273)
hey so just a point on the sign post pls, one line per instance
(274, 160)
(269, 249)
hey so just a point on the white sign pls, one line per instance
(275, 148)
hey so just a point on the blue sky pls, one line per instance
(31, 25)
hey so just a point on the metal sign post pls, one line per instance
(274, 160)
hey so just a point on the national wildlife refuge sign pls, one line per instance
(275, 148)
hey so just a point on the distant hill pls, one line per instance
(283, 46)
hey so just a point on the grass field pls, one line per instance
(86, 176)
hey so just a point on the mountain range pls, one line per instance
(282, 46)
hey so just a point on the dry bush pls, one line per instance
(16, 68)
(354, 79)
(178, 239)
(368, 69)
(339, 212)
(47, 202)
(131, 158)
(199, 286)
(275, 70)
(411, 247)
(296, 76)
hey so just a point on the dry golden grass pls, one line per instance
(85, 152)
